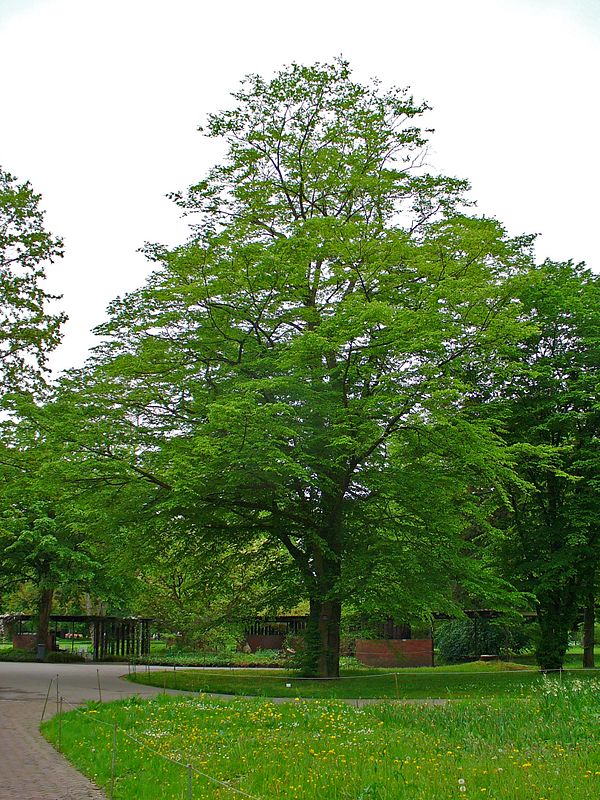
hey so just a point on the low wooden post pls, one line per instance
(47, 698)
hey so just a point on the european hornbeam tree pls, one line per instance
(291, 378)
(28, 330)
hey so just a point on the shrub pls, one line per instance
(461, 640)
(116, 659)
(64, 657)
(18, 655)
(262, 658)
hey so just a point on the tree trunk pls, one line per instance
(322, 639)
(99, 610)
(44, 610)
(321, 568)
(588, 632)
(322, 647)
(555, 620)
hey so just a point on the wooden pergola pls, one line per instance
(111, 636)
(121, 636)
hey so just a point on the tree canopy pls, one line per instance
(549, 417)
(292, 379)
(345, 388)
(28, 329)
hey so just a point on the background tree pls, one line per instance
(28, 330)
(41, 544)
(286, 377)
(549, 414)
(206, 597)
(49, 528)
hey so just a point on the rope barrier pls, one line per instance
(140, 742)
(197, 771)
(435, 671)
(87, 716)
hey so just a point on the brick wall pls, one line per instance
(265, 642)
(395, 652)
(26, 641)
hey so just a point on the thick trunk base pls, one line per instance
(43, 622)
(322, 640)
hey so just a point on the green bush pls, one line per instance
(18, 655)
(115, 659)
(64, 657)
(262, 658)
(461, 640)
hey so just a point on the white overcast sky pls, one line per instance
(100, 101)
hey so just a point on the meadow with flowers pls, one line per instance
(541, 746)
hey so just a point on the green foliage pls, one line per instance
(462, 640)
(27, 329)
(17, 655)
(35, 546)
(46, 522)
(223, 658)
(115, 659)
(289, 384)
(64, 657)
(549, 416)
(198, 594)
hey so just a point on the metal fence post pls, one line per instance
(190, 788)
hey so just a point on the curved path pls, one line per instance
(30, 768)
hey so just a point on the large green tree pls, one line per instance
(292, 377)
(28, 328)
(550, 415)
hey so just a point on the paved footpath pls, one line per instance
(30, 768)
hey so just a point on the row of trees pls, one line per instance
(344, 387)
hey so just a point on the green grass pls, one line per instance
(542, 747)
(475, 680)
(77, 644)
(573, 657)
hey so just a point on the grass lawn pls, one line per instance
(475, 680)
(74, 644)
(545, 746)
(573, 657)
